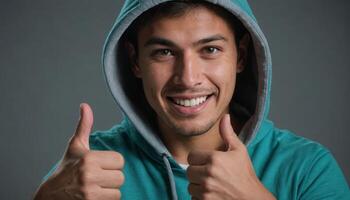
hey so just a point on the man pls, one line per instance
(193, 80)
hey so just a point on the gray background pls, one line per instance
(50, 62)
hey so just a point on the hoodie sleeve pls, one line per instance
(324, 180)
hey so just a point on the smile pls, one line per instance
(190, 102)
(189, 106)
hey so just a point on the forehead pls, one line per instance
(195, 24)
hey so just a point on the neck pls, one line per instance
(180, 145)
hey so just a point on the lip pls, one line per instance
(188, 111)
(189, 96)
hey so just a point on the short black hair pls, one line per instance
(177, 9)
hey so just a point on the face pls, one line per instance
(188, 67)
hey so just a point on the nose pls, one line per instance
(187, 71)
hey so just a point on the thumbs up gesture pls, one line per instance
(224, 174)
(84, 173)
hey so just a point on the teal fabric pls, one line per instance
(289, 166)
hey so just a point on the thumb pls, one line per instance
(227, 133)
(79, 143)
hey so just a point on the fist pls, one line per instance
(84, 173)
(224, 174)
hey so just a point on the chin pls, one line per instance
(192, 129)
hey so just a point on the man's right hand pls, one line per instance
(84, 173)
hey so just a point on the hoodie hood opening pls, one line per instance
(250, 102)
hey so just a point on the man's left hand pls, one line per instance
(224, 174)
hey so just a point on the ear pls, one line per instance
(133, 59)
(243, 52)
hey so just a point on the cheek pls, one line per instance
(223, 74)
(223, 71)
(154, 79)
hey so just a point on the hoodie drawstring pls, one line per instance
(170, 177)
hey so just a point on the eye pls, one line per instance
(162, 52)
(211, 50)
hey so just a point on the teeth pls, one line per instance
(190, 102)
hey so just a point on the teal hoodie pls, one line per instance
(291, 167)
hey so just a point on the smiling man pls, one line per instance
(193, 80)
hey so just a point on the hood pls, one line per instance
(252, 92)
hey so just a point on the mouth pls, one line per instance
(187, 105)
(189, 102)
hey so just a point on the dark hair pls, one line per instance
(177, 9)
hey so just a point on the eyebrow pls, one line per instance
(159, 41)
(166, 42)
(211, 39)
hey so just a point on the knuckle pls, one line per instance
(207, 185)
(85, 175)
(118, 157)
(189, 173)
(190, 157)
(209, 170)
(215, 158)
(211, 158)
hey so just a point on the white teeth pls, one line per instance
(196, 101)
(193, 102)
(190, 102)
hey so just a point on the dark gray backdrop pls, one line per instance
(50, 62)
